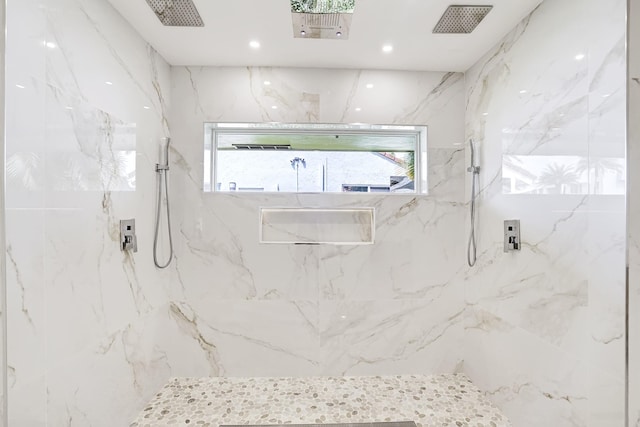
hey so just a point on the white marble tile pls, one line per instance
(125, 368)
(543, 99)
(26, 297)
(385, 337)
(543, 288)
(253, 338)
(97, 280)
(417, 254)
(530, 380)
(117, 327)
(533, 382)
(217, 231)
(67, 191)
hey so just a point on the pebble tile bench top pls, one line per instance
(439, 400)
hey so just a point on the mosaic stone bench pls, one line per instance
(439, 400)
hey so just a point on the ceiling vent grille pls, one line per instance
(176, 13)
(461, 19)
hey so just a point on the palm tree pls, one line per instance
(599, 165)
(411, 165)
(295, 164)
(557, 176)
(26, 168)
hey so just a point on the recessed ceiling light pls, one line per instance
(108, 83)
(606, 95)
(50, 45)
(254, 44)
(580, 56)
(485, 114)
(369, 85)
(68, 107)
(20, 86)
(275, 107)
(523, 91)
(387, 48)
(146, 107)
(358, 109)
(267, 83)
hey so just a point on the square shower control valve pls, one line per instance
(511, 235)
(128, 239)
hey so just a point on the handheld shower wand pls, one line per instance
(162, 169)
(475, 177)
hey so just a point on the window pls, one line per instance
(314, 158)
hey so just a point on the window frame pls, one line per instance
(213, 129)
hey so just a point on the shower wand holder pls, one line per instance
(474, 169)
(160, 168)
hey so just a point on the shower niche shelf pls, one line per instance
(317, 226)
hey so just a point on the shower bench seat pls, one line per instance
(437, 400)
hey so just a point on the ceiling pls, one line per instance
(229, 26)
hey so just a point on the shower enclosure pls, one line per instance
(542, 331)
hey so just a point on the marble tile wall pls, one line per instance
(3, 301)
(541, 329)
(80, 157)
(545, 325)
(633, 211)
(259, 309)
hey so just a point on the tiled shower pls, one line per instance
(93, 332)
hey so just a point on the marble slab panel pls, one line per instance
(391, 336)
(545, 108)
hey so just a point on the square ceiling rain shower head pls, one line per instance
(176, 13)
(322, 19)
(461, 19)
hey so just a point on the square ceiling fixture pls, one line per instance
(322, 19)
(176, 13)
(461, 19)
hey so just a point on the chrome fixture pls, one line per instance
(322, 19)
(128, 239)
(176, 13)
(162, 170)
(511, 235)
(475, 183)
(461, 19)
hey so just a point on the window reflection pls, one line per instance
(528, 174)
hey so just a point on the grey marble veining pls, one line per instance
(549, 98)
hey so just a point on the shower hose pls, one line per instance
(162, 171)
(475, 173)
